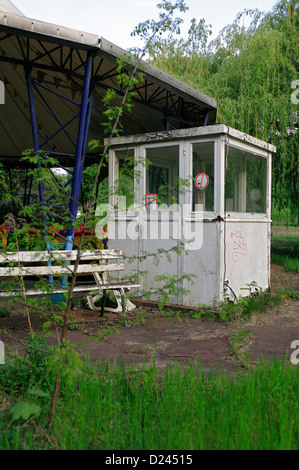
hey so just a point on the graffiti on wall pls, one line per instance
(239, 245)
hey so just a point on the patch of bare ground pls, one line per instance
(150, 334)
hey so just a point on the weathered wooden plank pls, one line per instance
(57, 270)
(60, 255)
(87, 288)
(23, 266)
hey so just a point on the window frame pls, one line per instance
(168, 164)
(207, 214)
(260, 153)
(114, 177)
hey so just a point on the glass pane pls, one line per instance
(125, 181)
(245, 182)
(162, 174)
(203, 175)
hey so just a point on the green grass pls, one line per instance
(4, 312)
(285, 251)
(290, 263)
(259, 303)
(235, 345)
(290, 240)
(285, 216)
(109, 408)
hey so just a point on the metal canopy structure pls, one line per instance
(55, 80)
(9, 7)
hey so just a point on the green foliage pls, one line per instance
(37, 350)
(244, 307)
(150, 28)
(178, 408)
(21, 373)
(288, 241)
(236, 344)
(288, 262)
(45, 225)
(25, 410)
(285, 251)
(39, 393)
(249, 71)
(290, 292)
(284, 215)
(4, 313)
(65, 362)
(133, 410)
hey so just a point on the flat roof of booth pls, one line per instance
(207, 131)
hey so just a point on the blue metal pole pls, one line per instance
(88, 120)
(206, 119)
(36, 146)
(86, 135)
(80, 154)
(35, 136)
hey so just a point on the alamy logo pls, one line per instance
(2, 93)
(295, 94)
(295, 354)
(2, 353)
(151, 223)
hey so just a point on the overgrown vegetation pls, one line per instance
(285, 251)
(249, 70)
(51, 227)
(51, 398)
(4, 312)
(236, 344)
(110, 408)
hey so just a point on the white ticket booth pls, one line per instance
(191, 211)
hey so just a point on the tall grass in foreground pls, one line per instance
(172, 410)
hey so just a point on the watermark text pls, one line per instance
(2, 353)
(295, 354)
(2, 93)
(162, 223)
(295, 94)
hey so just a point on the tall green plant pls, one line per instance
(128, 75)
(249, 71)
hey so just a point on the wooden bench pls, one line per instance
(53, 265)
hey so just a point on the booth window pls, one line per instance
(203, 176)
(245, 182)
(125, 178)
(162, 174)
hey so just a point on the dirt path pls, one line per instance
(179, 339)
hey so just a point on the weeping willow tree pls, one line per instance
(249, 70)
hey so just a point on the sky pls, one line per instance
(114, 20)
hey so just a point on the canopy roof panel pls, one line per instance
(56, 59)
(9, 7)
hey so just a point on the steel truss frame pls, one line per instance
(79, 64)
(83, 115)
(37, 87)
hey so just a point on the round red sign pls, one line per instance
(201, 181)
